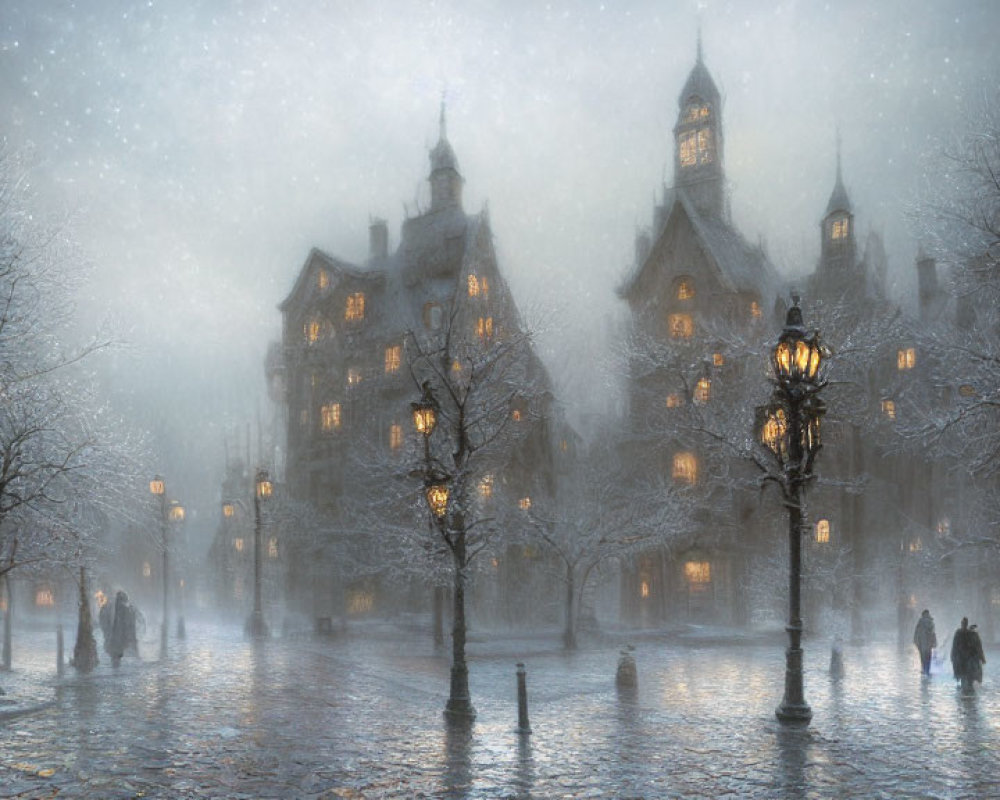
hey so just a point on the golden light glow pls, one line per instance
(889, 408)
(484, 328)
(228, 510)
(674, 400)
(703, 391)
(524, 503)
(353, 376)
(944, 527)
(718, 359)
(360, 602)
(264, 487)
(456, 366)
(772, 434)
(839, 228)
(322, 279)
(916, 545)
(424, 418)
(696, 147)
(516, 415)
(238, 544)
(393, 358)
(146, 569)
(644, 589)
(310, 331)
(755, 311)
(156, 485)
(695, 111)
(395, 436)
(176, 512)
(486, 486)
(823, 531)
(473, 286)
(272, 547)
(355, 307)
(685, 290)
(906, 358)
(681, 326)
(44, 598)
(783, 357)
(101, 598)
(437, 499)
(685, 467)
(698, 572)
(329, 416)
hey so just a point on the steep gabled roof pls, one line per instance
(335, 266)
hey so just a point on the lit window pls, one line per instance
(524, 503)
(310, 331)
(486, 486)
(238, 545)
(353, 376)
(685, 467)
(823, 531)
(681, 326)
(704, 146)
(395, 436)
(473, 286)
(644, 589)
(699, 572)
(674, 400)
(272, 547)
(916, 545)
(944, 527)
(889, 409)
(355, 308)
(393, 358)
(44, 597)
(322, 279)
(687, 149)
(718, 359)
(703, 391)
(484, 287)
(360, 602)
(685, 290)
(329, 416)
(563, 446)
(755, 309)
(147, 570)
(839, 228)
(906, 358)
(432, 316)
(484, 328)
(516, 415)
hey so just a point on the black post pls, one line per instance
(523, 726)
(438, 617)
(459, 702)
(257, 627)
(166, 574)
(7, 618)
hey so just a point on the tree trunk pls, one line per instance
(459, 702)
(569, 635)
(9, 597)
(85, 651)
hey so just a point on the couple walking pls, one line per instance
(967, 656)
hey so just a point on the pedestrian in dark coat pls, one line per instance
(967, 657)
(925, 639)
(123, 638)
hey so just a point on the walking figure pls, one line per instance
(967, 657)
(123, 638)
(925, 639)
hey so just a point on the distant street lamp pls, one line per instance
(789, 427)
(424, 420)
(158, 489)
(175, 513)
(256, 626)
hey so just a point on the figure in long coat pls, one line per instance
(967, 657)
(925, 639)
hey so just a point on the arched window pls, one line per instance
(839, 228)
(684, 288)
(823, 531)
(685, 469)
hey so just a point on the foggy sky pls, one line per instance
(204, 147)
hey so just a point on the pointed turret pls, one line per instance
(698, 140)
(446, 181)
(839, 250)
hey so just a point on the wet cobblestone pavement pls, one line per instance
(359, 718)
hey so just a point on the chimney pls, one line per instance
(927, 284)
(378, 239)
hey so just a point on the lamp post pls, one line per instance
(175, 515)
(158, 489)
(451, 524)
(789, 427)
(256, 626)
(424, 420)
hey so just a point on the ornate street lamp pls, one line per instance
(175, 515)
(437, 499)
(256, 626)
(789, 427)
(158, 488)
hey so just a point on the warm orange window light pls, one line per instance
(156, 485)
(310, 331)
(698, 572)
(681, 326)
(484, 327)
(524, 503)
(685, 290)
(393, 358)
(176, 512)
(516, 415)
(322, 279)
(718, 359)
(360, 602)
(823, 531)
(755, 309)
(644, 589)
(906, 358)
(228, 510)
(889, 409)
(685, 467)
(916, 545)
(674, 400)
(695, 112)
(353, 376)
(238, 545)
(355, 308)
(703, 391)
(944, 527)
(456, 366)
(473, 286)
(329, 416)
(272, 547)
(45, 598)
(486, 487)
(839, 229)
(395, 436)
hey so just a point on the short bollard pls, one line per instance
(837, 659)
(626, 677)
(59, 650)
(522, 701)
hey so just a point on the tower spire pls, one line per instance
(839, 175)
(699, 58)
(442, 122)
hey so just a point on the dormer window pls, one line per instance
(906, 358)
(322, 279)
(839, 228)
(355, 308)
(685, 289)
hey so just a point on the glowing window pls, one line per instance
(516, 415)
(839, 228)
(705, 146)
(703, 391)
(393, 358)
(353, 376)
(699, 572)
(484, 328)
(395, 436)
(718, 359)
(944, 527)
(681, 326)
(889, 409)
(685, 290)
(906, 358)
(916, 545)
(524, 503)
(238, 545)
(310, 330)
(272, 547)
(685, 467)
(644, 589)
(329, 416)
(44, 597)
(695, 111)
(674, 400)
(755, 309)
(484, 287)
(473, 286)
(322, 279)
(688, 152)
(823, 531)
(486, 486)
(355, 308)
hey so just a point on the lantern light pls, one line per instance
(425, 412)
(156, 485)
(264, 487)
(798, 356)
(176, 513)
(437, 498)
(228, 510)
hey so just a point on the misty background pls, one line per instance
(197, 150)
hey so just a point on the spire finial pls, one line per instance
(839, 176)
(442, 124)
(699, 43)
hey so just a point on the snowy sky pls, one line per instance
(204, 146)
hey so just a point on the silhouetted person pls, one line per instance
(123, 639)
(925, 639)
(106, 619)
(967, 657)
